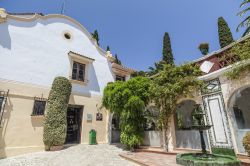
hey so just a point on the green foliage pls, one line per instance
(157, 68)
(132, 121)
(246, 21)
(128, 101)
(223, 151)
(170, 84)
(167, 50)
(242, 50)
(225, 34)
(246, 143)
(204, 48)
(139, 73)
(95, 35)
(117, 61)
(55, 123)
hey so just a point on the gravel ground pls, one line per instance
(79, 155)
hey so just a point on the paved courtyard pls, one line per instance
(80, 155)
(151, 159)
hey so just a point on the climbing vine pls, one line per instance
(242, 50)
(169, 85)
(128, 101)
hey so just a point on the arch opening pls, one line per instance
(239, 107)
(186, 137)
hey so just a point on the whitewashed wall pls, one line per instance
(36, 52)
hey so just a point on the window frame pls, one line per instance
(81, 59)
(40, 100)
(77, 77)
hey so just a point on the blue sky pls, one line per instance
(134, 29)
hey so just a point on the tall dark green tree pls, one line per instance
(225, 34)
(95, 35)
(167, 50)
(246, 21)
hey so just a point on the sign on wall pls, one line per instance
(89, 117)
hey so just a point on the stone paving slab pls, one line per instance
(151, 159)
(79, 155)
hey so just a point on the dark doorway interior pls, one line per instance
(74, 123)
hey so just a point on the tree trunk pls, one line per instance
(165, 139)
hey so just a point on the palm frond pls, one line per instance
(247, 31)
(243, 23)
(244, 3)
(241, 13)
(151, 68)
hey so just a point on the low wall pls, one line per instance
(152, 138)
(189, 139)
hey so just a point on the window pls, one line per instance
(39, 107)
(120, 78)
(67, 36)
(78, 71)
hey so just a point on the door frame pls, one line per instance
(81, 108)
(228, 133)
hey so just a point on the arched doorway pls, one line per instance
(239, 107)
(152, 135)
(185, 136)
(115, 129)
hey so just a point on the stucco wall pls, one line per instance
(40, 46)
(229, 88)
(23, 133)
(152, 138)
(32, 53)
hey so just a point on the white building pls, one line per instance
(34, 49)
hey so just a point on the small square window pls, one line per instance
(120, 78)
(39, 107)
(78, 72)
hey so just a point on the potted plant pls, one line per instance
(204, 48)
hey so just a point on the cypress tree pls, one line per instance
(167, 50)
(225, 34)
(95, 35)
(55, 122)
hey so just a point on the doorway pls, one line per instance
(74, 124)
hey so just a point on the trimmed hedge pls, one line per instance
(55, 124)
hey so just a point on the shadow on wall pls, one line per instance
(5, 120)
(94, 85)
(5, 41)
(37, 121)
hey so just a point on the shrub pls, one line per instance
(128, 100)
(55, 124)
(246, 143)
